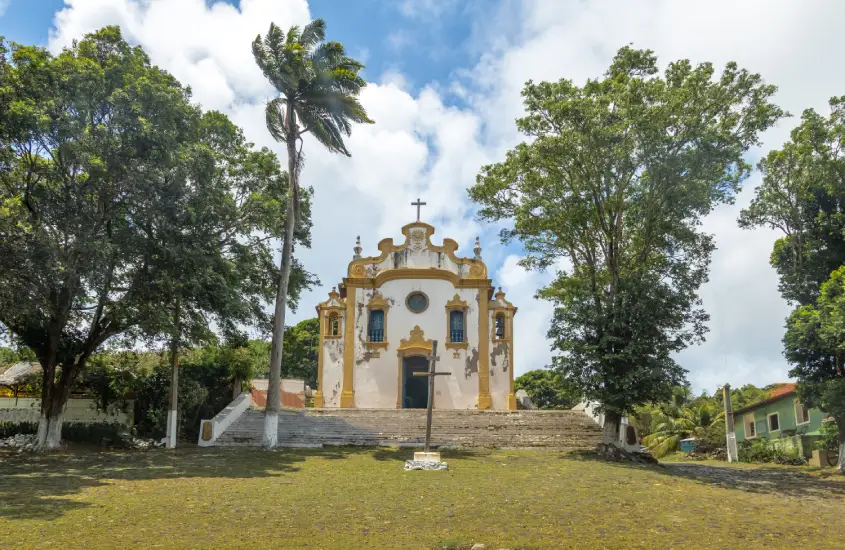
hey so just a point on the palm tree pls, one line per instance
(666, 433)
(667, 430)
(318, 94)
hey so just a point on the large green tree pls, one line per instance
(803, 195)
(815, 343)
(226, 203)
(118, 200)
(548, 389)
(318, 87)
(615, 179)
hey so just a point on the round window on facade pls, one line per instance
(417, 302)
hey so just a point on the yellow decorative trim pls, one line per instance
(511, 394)
(347, 395)
(358, 268)
(485, 401)
(327, 330)
(500, 306)
(456, 304)
(416, 345)
(409, 273)
(457, 345)
(318, 395)
(414, 293)
(416, 342)
(377, 303)
(377, 345)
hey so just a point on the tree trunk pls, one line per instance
(611, 429)
(172, 414)
(840, 424)
(274, 390)
(47, 437)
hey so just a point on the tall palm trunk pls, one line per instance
(271, 411)
(172, 415)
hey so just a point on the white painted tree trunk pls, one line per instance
(41, 434)
(54, 433)
(49, 435)
(172, 426)
(611, 430)
(271, 429)
(841, 466)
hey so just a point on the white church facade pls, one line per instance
(377, 329)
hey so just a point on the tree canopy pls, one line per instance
(803, 196)
(118, 196)
(548, 389)
(613, 184)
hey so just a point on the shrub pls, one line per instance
(108, 433)
(8, 429)
(830, 437)
(768, 451)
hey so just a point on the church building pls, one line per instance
(377, 329)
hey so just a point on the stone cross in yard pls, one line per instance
(418, 204)
(432, 360)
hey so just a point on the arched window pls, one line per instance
(376, 326)
(500, 326)
(456, 326)
(333, 326)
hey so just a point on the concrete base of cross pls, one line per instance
(427, 457)
(425, 465)
(426, 461)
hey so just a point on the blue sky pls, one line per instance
(425, 47)
(445, 89)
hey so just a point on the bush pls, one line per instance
(8, 429)
(108, 433)
(830, 437)
(763, 451)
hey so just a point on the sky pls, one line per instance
(445, 78)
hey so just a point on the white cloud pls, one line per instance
(4, 5)
(420, 146)
(791, 45)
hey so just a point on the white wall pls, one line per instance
(376, 372)
(500, 370)
(332, 371)
(27, 409)
(376, 380)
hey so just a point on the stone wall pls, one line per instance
(27, 409)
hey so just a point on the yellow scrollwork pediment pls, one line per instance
(417, 342)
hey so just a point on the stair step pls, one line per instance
(314, 428)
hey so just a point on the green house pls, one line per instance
(781, 416)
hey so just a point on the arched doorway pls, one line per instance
(414, 388)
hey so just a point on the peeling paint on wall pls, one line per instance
(471, 366)
(500, 349)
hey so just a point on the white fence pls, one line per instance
(27, 409)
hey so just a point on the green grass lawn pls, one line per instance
(354, 498)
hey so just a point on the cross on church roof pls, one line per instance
(418, 204)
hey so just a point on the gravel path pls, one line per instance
(787, 481)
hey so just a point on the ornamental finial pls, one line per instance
(477, 249)
(357, 248)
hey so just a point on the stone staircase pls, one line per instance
(564, 430)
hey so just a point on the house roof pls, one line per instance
(780, 391)
(18, 373)
(292, 393)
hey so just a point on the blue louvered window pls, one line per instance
(376, 329)
(456, 327)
